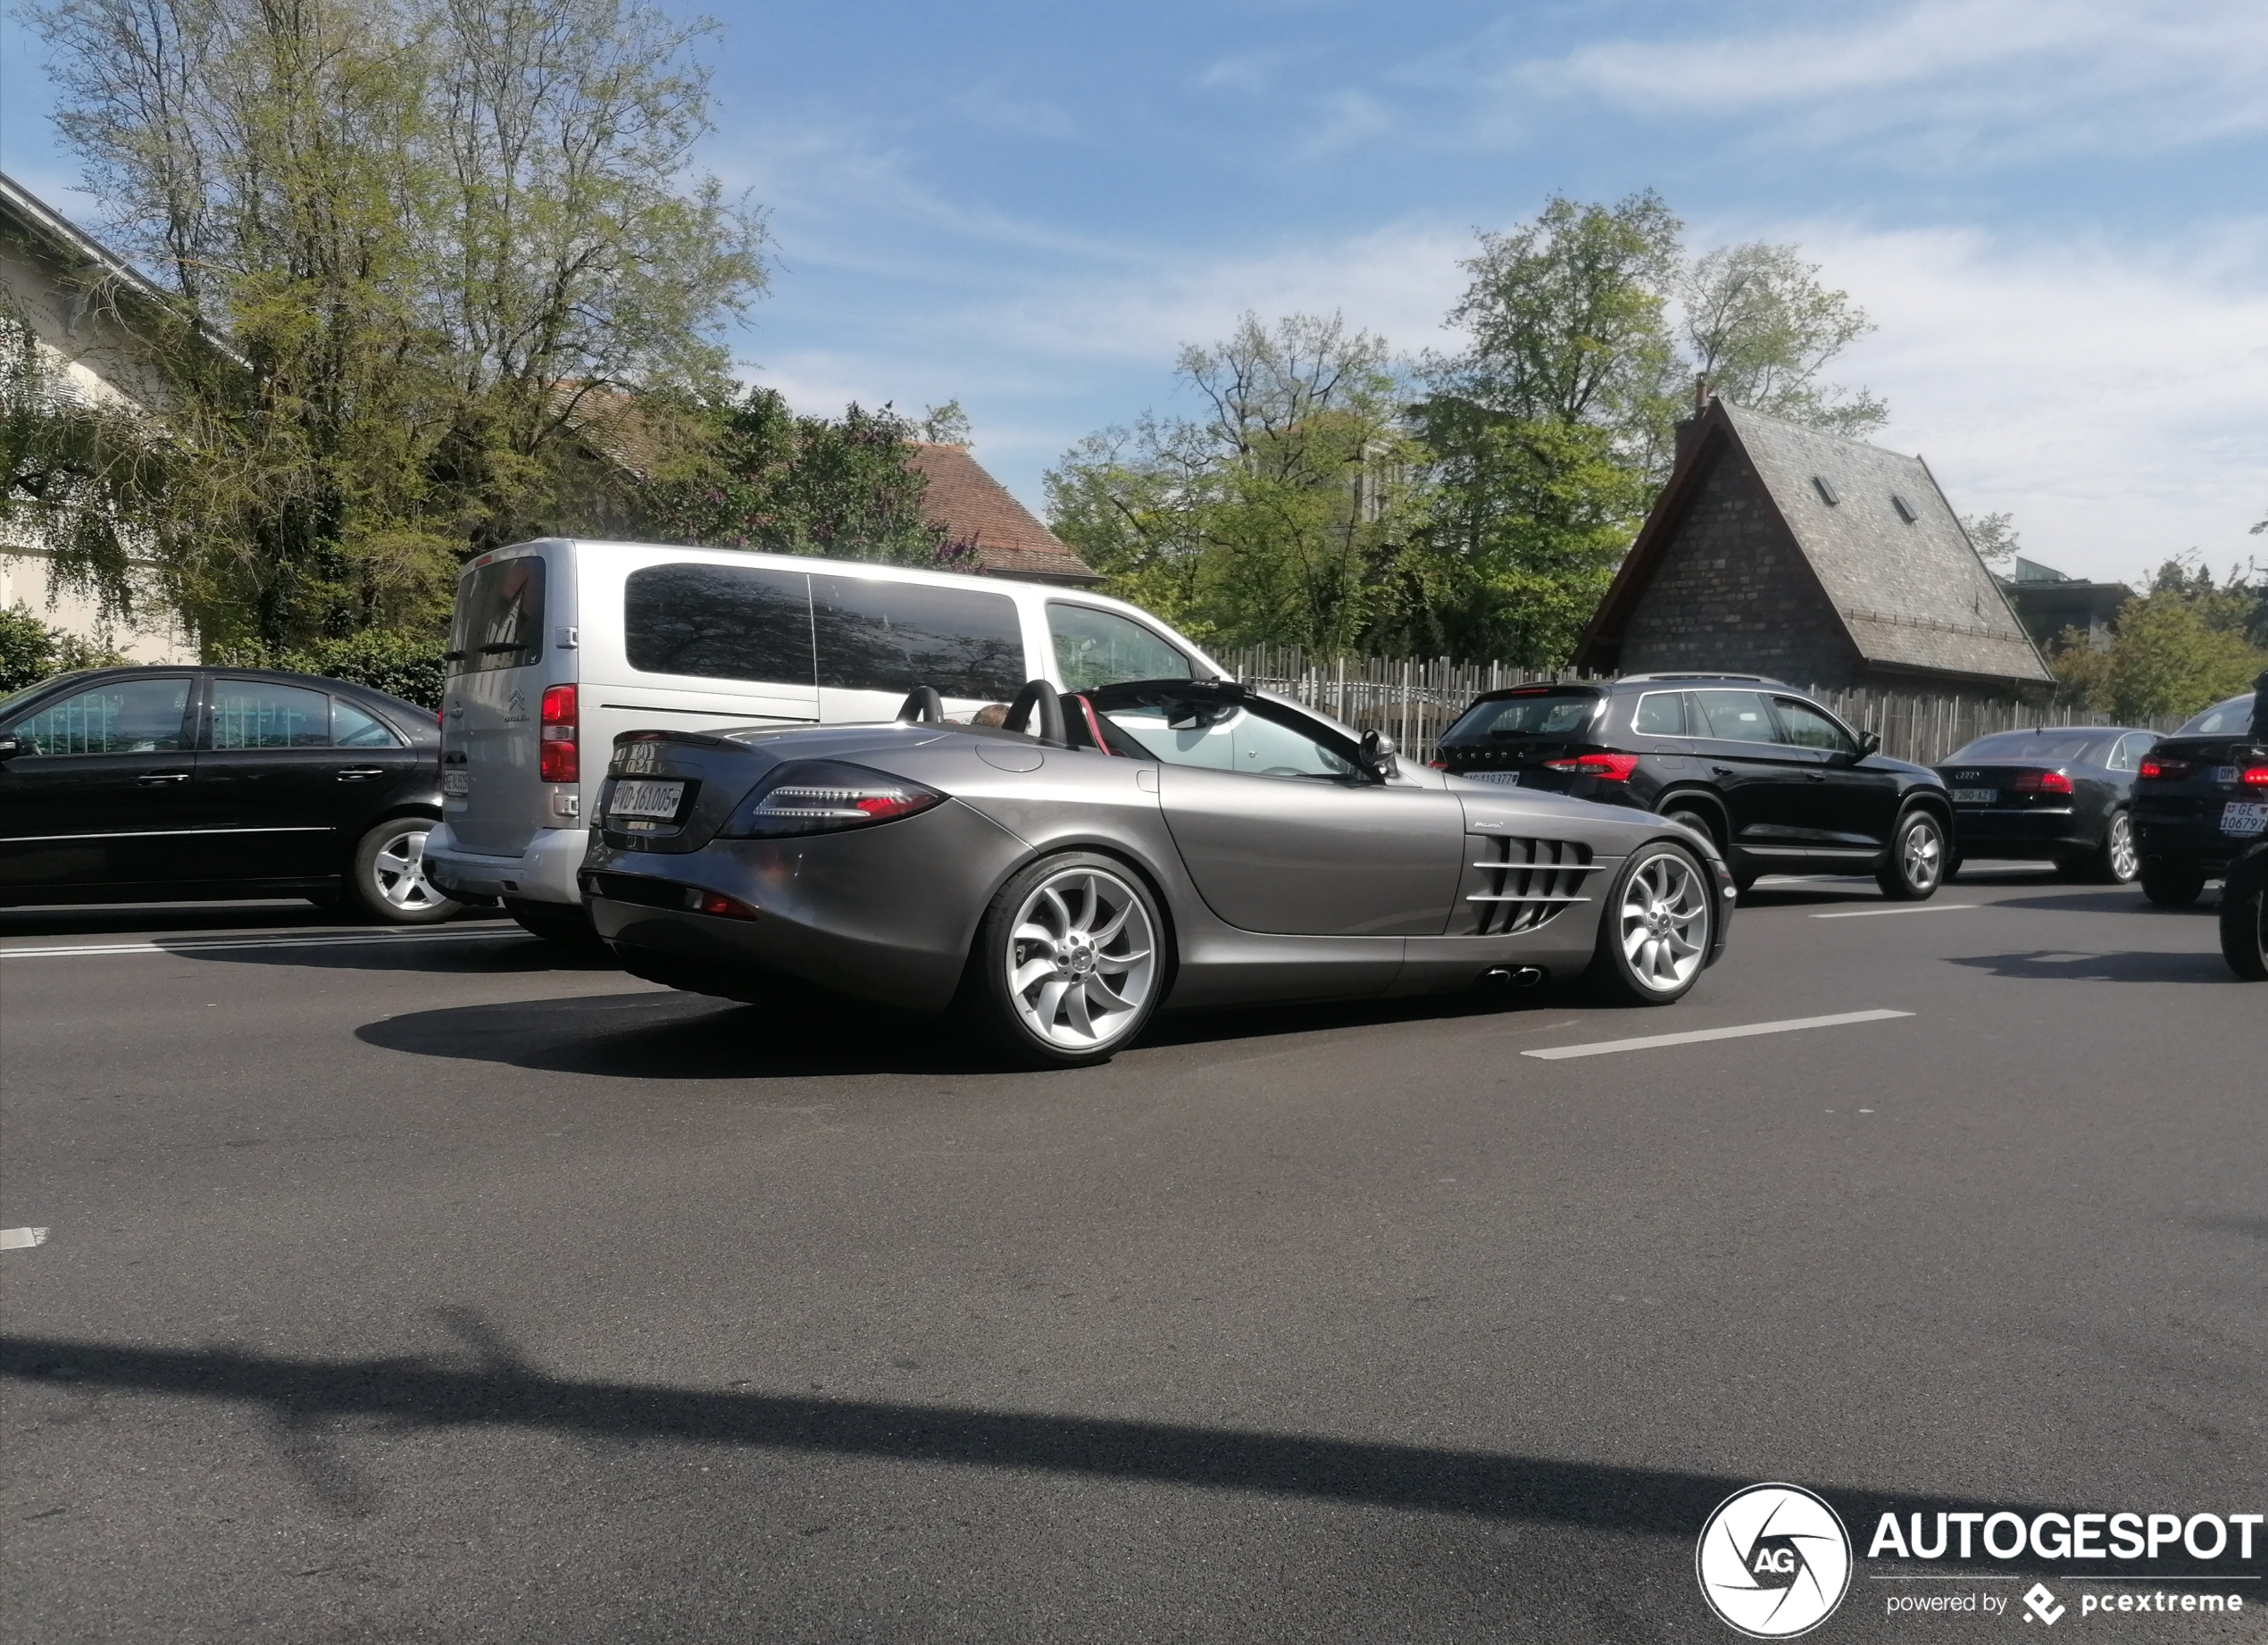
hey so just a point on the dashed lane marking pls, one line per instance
(21, 1239)
(1861, 913)
(326, 940)
(1696, 1036)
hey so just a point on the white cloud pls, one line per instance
(1953, 80)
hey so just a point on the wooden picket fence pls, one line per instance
(1414, 699)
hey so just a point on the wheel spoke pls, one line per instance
(1050, 1001)
(1075, 1007)
(1117, 962)
(1030, 972)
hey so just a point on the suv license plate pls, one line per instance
(646, 800)
(2241, 821)
(456, 782)
(1975, 796)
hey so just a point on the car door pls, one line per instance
(271, 787)
(1842, 801)
(102, 792)
(1281, 834)
(1737, 743)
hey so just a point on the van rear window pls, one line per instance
(1546, 713)
(719, 623)
(876, 635)
(499, 621)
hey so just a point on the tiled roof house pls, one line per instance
(1780, 550)
(971, 506)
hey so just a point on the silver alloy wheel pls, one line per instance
(2124, 861)
(1922, 854)
(1081, 959)
(398, 871)
(1663, 922)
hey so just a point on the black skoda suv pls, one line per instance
(1781, 784)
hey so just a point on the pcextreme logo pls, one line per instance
(1773, 1561)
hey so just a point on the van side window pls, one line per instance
(499, 616)
(719, 623)
(1100, 647)
(875, 634)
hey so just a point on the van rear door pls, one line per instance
(494, 700)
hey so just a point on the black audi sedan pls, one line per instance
(1779, 784)
(2063, 793)
(164, 783)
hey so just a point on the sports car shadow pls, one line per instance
(651, 1035)
(2066, 965)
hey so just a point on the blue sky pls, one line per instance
(2055, 210)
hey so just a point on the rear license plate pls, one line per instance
(456, 782)
(646, 800)
(2241, 821)
(1975, 796)
(1504, 779)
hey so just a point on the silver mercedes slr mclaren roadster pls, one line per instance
(1104, 853)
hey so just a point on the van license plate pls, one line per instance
(2242, 820)
(456, 782)
(1975, 796)
(646, 800)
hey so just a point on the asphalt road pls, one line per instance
(428, 1289)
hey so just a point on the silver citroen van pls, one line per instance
(557, 645)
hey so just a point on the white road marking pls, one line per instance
(1861, 913)
(1696, 1036)
(21, 1239)
(327, 939)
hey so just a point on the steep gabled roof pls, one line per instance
(1886, 546)
(971, 507)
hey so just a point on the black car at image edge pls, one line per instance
(159, 783)
(2201, 798)
(1779, 783)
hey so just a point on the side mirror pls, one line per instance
(1377, 755)
(1868, 743)
(11, 746)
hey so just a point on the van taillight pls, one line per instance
(558, 761)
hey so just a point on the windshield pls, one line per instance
(2032, 747)
(2222, 719)
(1543, 714)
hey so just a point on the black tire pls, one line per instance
(2115, 861)
(1618, 975)
(1953, 866)
(565, 923)
(2172, 888)
(1744, 880)
(1914, 866)
(1038, 1024)
(2244, 919)
(386, 879)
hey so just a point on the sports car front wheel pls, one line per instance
(1655, 937)
(1067, 968)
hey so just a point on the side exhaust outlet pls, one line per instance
(1513, 976)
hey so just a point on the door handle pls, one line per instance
(362, 773)
(157, 777)
(1814, 776)
(1722, 770)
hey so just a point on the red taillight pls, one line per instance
(1439, 764)
(1606, 767)
(2156, 770)
(557, 760)
(718, 904)
(2254, 777)
(2043, 782)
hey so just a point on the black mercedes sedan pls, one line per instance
(2064, 793)
(164, 783)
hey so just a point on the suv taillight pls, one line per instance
(557, 760)
(2254, 777)
(2043, 782)
(1606, 767)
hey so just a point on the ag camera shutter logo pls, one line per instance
(1774, 1561)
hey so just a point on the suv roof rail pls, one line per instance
(1713, 675)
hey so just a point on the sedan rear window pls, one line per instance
(1546, 713)
(2028, 748)
(2227, 719)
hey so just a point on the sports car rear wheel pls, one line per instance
(1067, 966)
(1654, 939)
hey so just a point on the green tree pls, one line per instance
(2179, 646)
(406, 239)
(1994, 537)
(1755, 321)
(1284, 512)
(31, 650)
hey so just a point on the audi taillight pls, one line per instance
(823, 797)
(2043, 782)
(2168, 770)
(557, 759)
(1606, 767)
